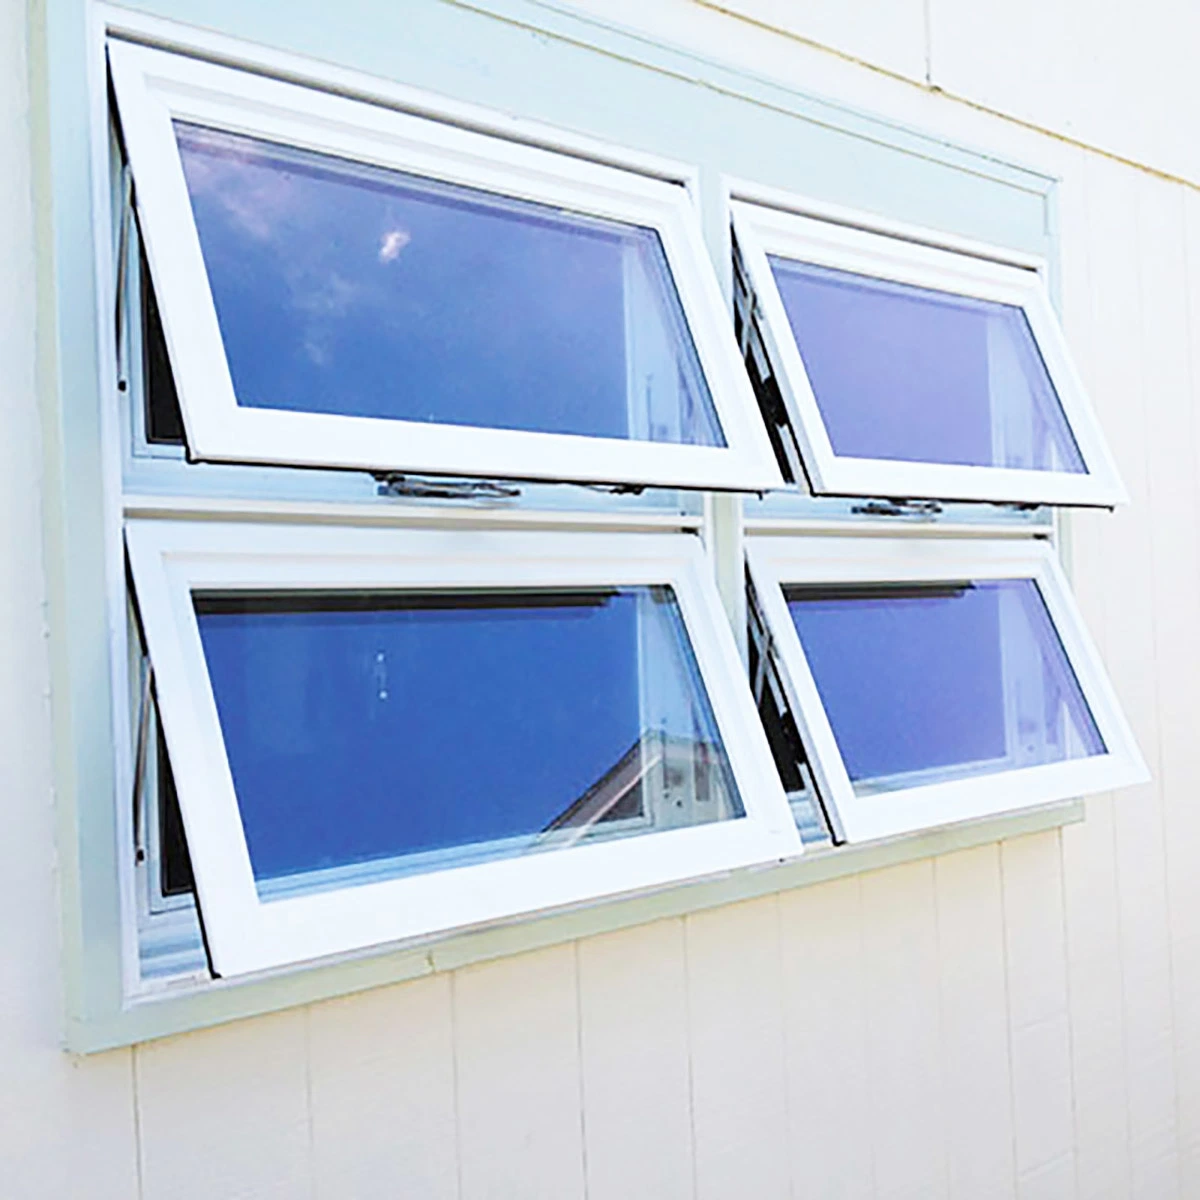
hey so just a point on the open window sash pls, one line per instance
(941, 682)
(339, 365)
(912, 371)
(622, 817)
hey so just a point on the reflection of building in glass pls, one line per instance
(660, 781)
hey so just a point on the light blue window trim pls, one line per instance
(521, 57)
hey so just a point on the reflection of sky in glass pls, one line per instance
(362, 727)
(949, 679)
(348, 289)
(910, 374)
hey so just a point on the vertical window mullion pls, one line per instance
(724, 512)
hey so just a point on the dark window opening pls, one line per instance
(762, 377)
(175, 864)
(783, 735)
(164, 420)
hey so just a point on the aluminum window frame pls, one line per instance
(778, 561)
(762, 229)
(244, 933)
(154, 87)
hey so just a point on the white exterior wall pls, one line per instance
(1020, 1019)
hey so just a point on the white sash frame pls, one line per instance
(171, 559)
(778, 561)
(154, 87)
(762, 230)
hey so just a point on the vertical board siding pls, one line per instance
(825, 1033)
(516, 1031)
(1052, 1181)
(975, 1049)
(1183, 814)
(1119, 288)
(1172, 504)
(739, 1085)
(634, 1039)
(66, 1128)
(1089, 850)
(1020, 1020)
(1039, 1026)
(381, 1078)
(226, 1112)
(906, 1116)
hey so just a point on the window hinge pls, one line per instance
(424, 488)
(616, 489)
(898, 508)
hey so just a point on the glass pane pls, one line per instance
(915, 375)
(349, 289)
(375, 735)
(934, 681)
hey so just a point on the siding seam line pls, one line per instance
(138, 1138)
(580, 1073)
(1008, 1015)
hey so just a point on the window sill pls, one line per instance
(186, 1003)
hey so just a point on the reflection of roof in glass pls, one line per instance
(621, 792)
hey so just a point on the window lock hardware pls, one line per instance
(424, 488)
(898, 508)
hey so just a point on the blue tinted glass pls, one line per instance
(418, 731)
(349, 289)
(933, 681)
(911, 374)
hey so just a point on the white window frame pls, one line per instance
(171, 558)
(762, 230)
(779, 561)
(153, 87)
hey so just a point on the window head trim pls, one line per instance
(153, 87)
(776, 562)
(763, 231)
(172, 559)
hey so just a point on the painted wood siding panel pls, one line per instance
(1119, 289)
(906, 1116)
(1182, 813)
(1114, 76)
(1089, 850)
(1017, 1020)
(1041, 1068)
(381, 1072)
(226, 1112)
(884, 33)
(739, 1085)
(975, 1047)
(65, 1128)
(1039, 1026)
(825, 1031)
(637, 1111)
(520, 1125)
(1171, 487)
